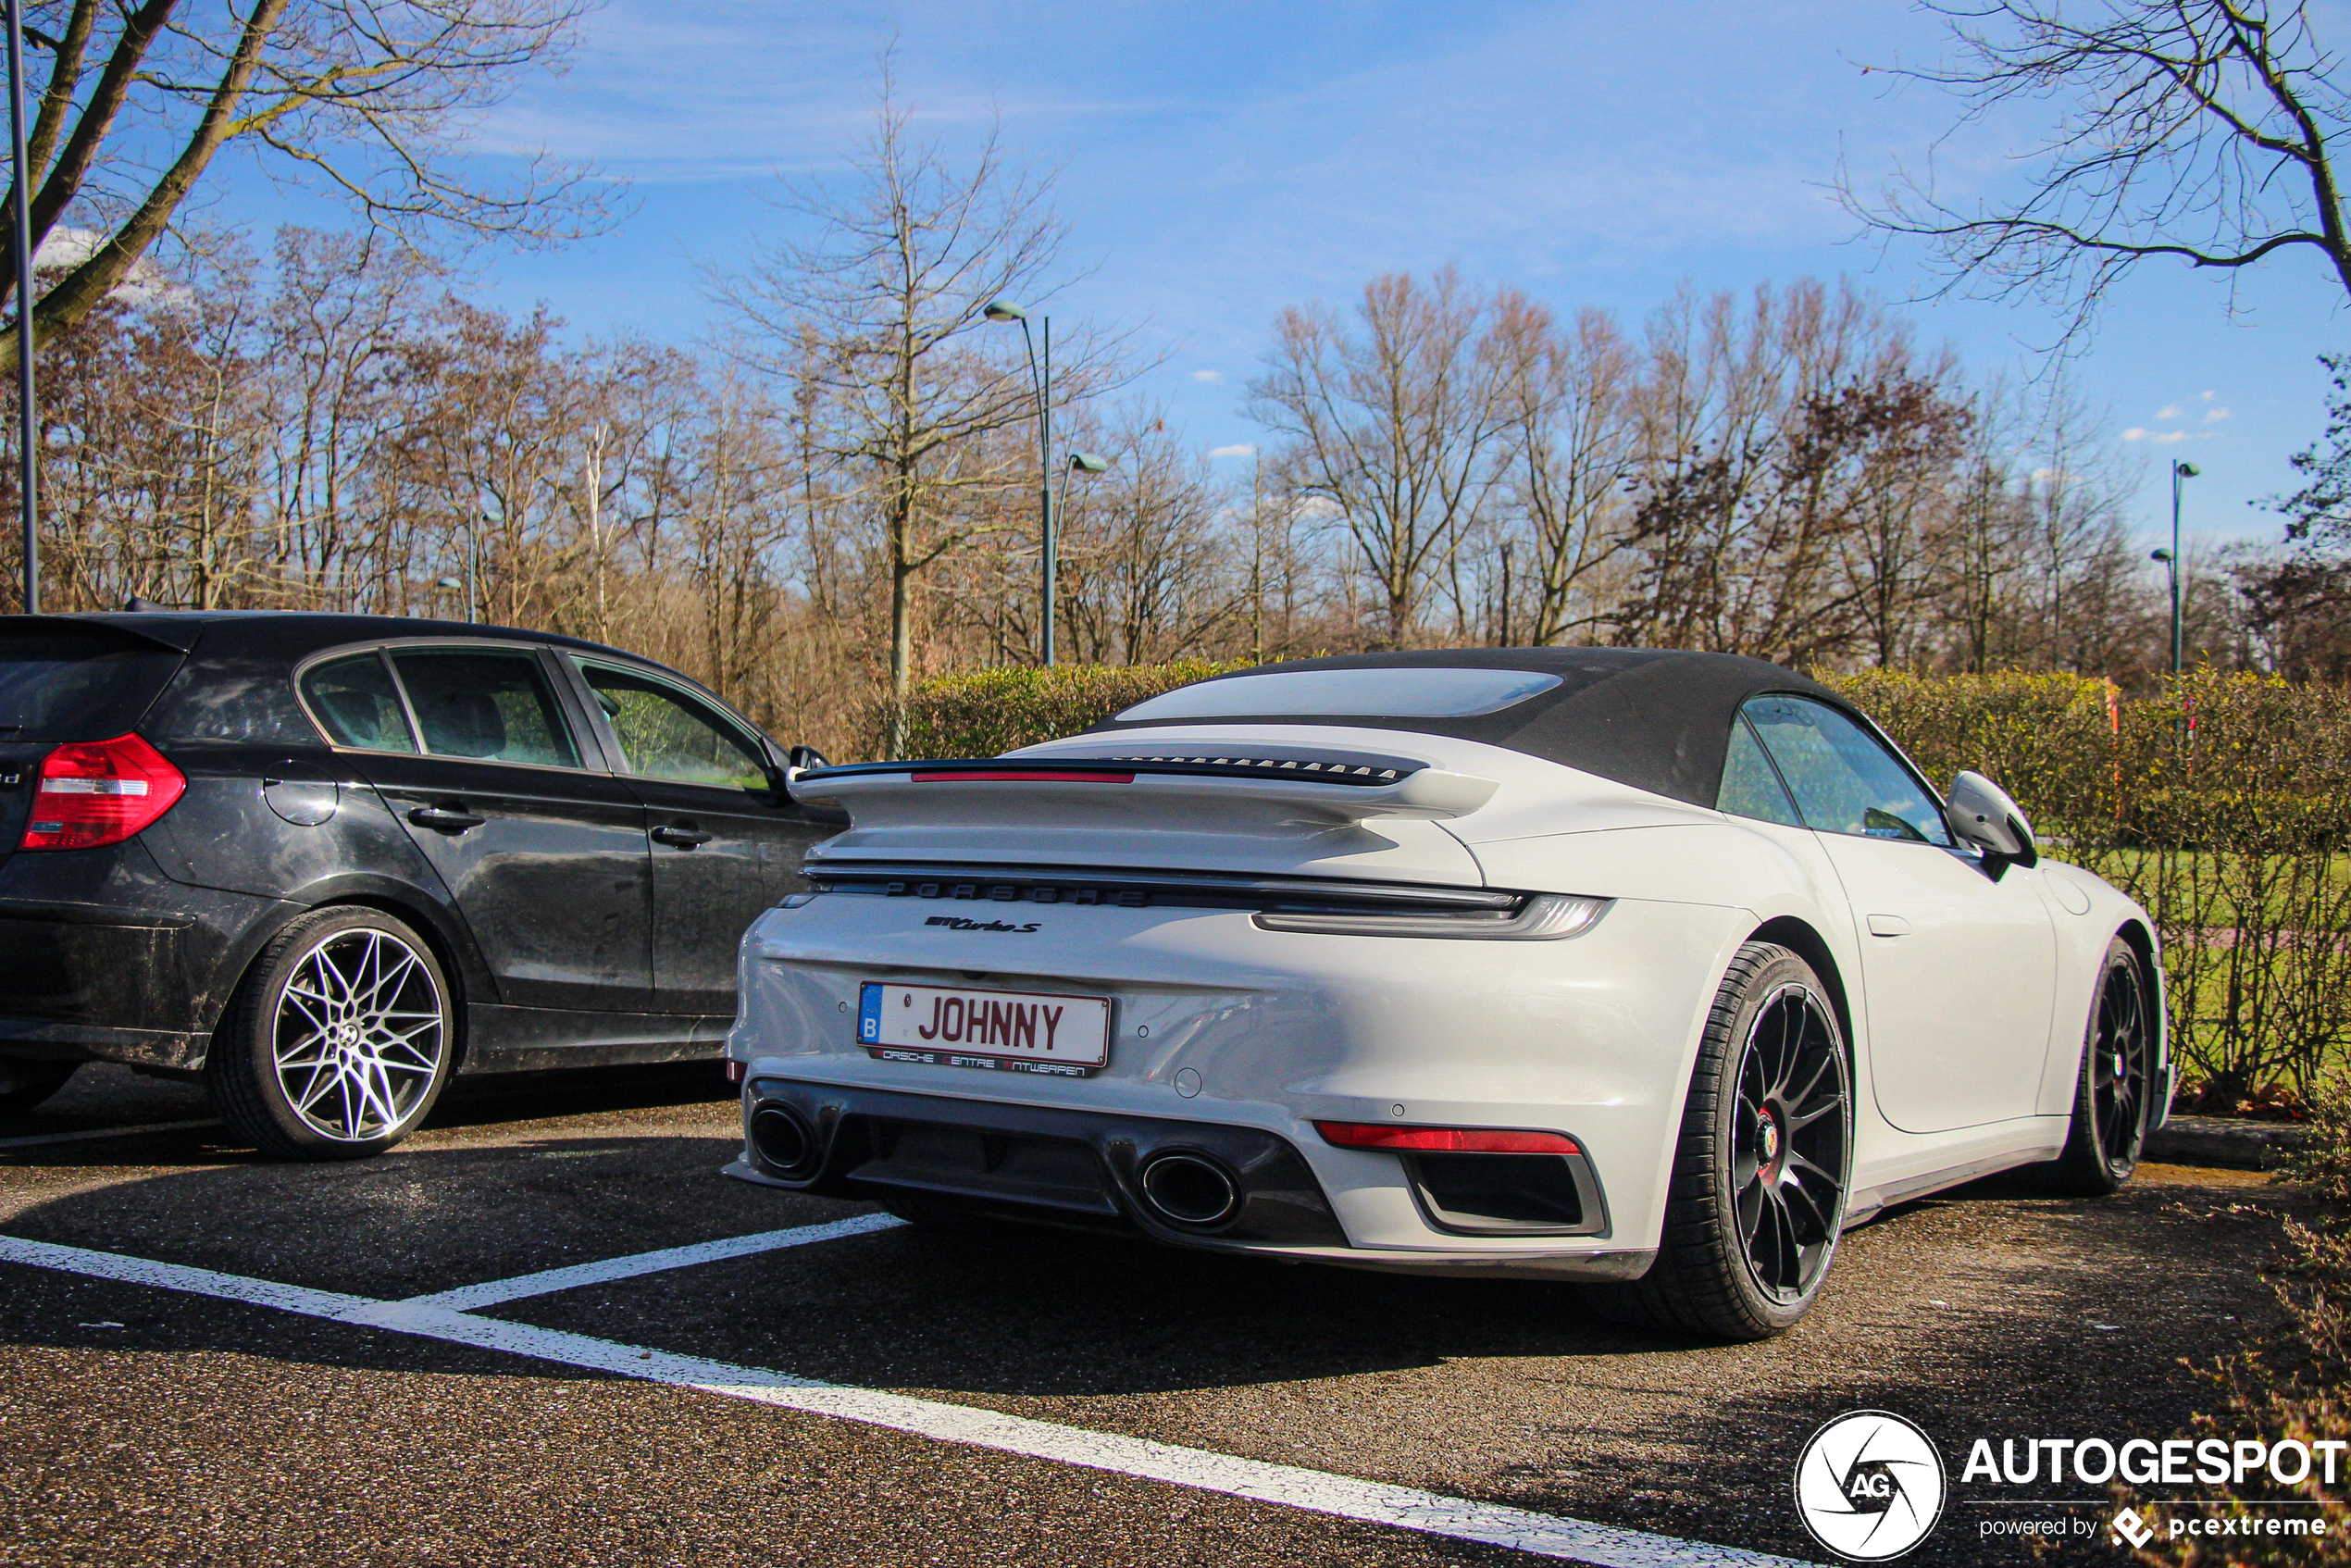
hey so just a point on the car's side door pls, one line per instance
(1958, 966)
(726, 841)
(543, 855)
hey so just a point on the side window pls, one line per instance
(1843, 779)
(354, 700)
(663, 733)
(495, 706)
(1749, 786)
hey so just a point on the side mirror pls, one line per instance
(1981, 813)
(797, 761)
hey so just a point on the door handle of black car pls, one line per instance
(684, 837)
(442, 820)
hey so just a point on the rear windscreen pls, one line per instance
(77, 683)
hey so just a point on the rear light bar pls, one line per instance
(95, 792)
(1544, 917)
(1444, 1141)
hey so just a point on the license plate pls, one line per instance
(1015, 1031)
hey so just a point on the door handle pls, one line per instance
(684, 837)
(444, 819)
(1888, 925)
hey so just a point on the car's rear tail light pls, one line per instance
(1544, 917)
(1444, 1141)
(96, 792)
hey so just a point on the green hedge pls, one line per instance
(999, 710)
(2223, 805)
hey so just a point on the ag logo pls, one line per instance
(1869, 1486)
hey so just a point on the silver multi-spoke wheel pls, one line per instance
(359, 1035)
(340, 1040)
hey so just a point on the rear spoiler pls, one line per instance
(176, 633)
(1335, 788)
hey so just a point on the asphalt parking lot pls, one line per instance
(679, 1395)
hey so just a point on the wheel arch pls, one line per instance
(1799, 937)
(452, 944)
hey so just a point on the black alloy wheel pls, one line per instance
(1787, 1143)
(2114, 1089)
(1764, 1164)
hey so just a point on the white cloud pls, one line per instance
(1244, 449)
(1208, 375)
(2161, 438)
(2206, 396)
(2214, 416)
(2169, 411)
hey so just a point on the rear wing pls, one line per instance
(1333, 788)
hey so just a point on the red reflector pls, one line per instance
(97, 793)
(1444, 1141)
(1025, 778)
(735, 1070)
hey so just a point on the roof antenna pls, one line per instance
(137, 606)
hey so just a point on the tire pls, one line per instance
(1763, 1165)
(24, 1084)
(338, 1041)
(2112, 1090)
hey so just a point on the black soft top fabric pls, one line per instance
(1653, 718)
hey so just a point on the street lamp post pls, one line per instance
(2171, 564)
(27, 467)
(2180, 471)
(1040, 381)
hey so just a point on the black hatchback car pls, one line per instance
(322, 862)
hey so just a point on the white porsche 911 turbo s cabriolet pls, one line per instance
(1651, 970)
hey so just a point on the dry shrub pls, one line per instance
(2293, 1390)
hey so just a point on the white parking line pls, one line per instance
(1343, 1497)
(105, 1132)
(466, 1298)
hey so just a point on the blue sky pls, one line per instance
(1217, 161)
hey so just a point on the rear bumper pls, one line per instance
(102, 957)
(1086, 1169)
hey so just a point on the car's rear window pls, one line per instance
(1333, 693)
(77, 683)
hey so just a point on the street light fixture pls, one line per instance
(2180, 471)
(1041, 383)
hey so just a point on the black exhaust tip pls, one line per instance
(784, 1142)
(1191, 1190)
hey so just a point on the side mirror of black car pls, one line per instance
(800, 759)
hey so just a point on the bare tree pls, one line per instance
(2198, 130)
(370, 99)
(1575, 442)
(877, 311)
(1394, 423)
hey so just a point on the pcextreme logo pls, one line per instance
(1869, 1486)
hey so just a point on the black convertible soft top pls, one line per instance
(1653, 718)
